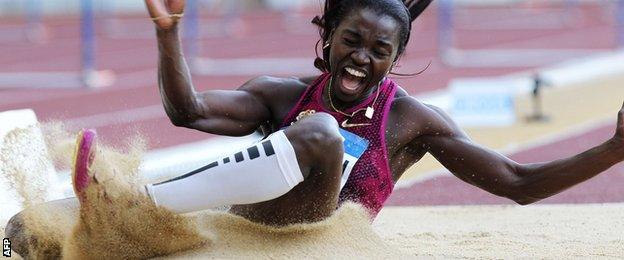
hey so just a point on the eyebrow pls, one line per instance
(350, 31)
(384, 42)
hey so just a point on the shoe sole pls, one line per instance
(83, 158)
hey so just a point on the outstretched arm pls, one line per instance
(523, 183)
(216, 111)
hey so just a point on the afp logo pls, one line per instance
(6, 247)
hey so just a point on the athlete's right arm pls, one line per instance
(220, 112)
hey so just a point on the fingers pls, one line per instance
(176, 6)
(621, 117)
(160, 15)
(156, 8)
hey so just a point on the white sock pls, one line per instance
(259, 173)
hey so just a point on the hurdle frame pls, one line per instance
(33, 30)
(87, 77)
(620, 22)
(204, 66)
(486, 58)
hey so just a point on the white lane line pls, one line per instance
(40, 79)
(511, 58)
(129, 116)
(253, 66)
(124, 81)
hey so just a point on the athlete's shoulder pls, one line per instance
(410, 110)
(270, 87)
(404, 103)
(271, 82)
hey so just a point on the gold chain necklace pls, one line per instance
(369, 109)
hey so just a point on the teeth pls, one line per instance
(355, 73)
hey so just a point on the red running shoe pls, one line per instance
(83, 158)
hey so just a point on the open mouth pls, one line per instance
(352, 80)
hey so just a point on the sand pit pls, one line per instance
(347, 233)
(132, 228)
(477, 232)
(118, 222)
(506, 232)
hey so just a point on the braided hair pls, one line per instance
(335, 11)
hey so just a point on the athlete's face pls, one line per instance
(363, 48)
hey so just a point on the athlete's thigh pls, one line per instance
(314, 199)
(320, 159)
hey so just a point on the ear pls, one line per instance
(416, 7)
(327, 43)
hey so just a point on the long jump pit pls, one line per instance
(120, 223)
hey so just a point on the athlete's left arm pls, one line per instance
(523, 183)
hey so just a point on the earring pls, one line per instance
(326, 45)
(390, 69)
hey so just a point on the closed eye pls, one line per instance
(349, 42)
(381, 53)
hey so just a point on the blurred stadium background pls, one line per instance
(554, 69)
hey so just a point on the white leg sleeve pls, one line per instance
(259, 173)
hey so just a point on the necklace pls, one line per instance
(369, 109)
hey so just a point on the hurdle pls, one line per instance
(620, 23)
(87, 77)
(562, 16)
(124, 20)
(194, 29)
(32, 30)
(234, 66)
(191, 29)
(127, 20)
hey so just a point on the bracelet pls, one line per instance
(303, 114)
(175, 16)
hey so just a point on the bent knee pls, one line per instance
(324, 118)
(322, 142)
(316, 136)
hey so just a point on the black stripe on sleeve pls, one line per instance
(268, 148)
(213, 164)
(253, 152)
(238, 157)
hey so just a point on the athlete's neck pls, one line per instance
(345, 105)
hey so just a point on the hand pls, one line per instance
(618, 138)
(619, 130)
(165, 13)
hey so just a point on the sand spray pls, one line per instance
(118, 221)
